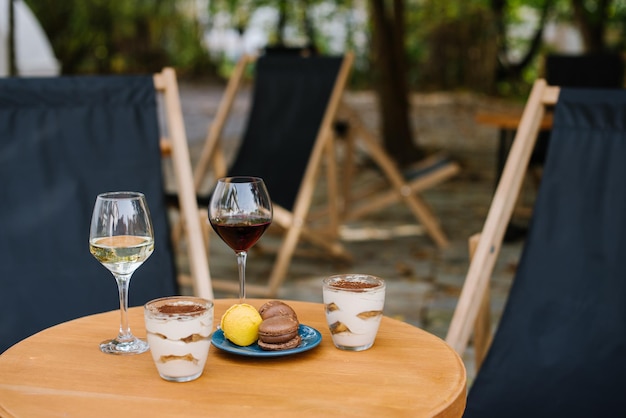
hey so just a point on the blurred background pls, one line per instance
(423, 69)
(494, 47)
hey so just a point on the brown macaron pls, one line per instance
(279, 333)
(276, 308)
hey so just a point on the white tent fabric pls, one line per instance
(34, 55)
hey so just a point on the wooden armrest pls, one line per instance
(166, 147)
(482, 326)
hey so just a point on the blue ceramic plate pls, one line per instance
(310, 339)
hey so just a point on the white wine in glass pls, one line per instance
(121, 238)
(240, 211)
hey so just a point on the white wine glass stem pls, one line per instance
(241, 264)
(123, 282)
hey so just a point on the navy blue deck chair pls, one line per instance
(598, 70)
(560, 345)
(287, 138)
(64, 140)
(393, 184)
(594, 70)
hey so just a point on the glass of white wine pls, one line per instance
(121, 238)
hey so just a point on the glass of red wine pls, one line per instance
(240, 211)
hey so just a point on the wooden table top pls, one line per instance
(509, 120)
(61, 372)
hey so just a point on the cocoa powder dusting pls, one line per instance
(348, 284)
(180, 309)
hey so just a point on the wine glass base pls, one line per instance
(133, 346)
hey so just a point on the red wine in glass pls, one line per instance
(240, 234)
(240, 211)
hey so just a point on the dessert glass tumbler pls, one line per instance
(179, 334)
(354, 307)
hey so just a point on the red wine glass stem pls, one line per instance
(241, 264)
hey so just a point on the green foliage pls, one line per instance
(109, 36)
(449, 44)
(452, 44)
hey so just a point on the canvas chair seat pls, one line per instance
(594, 70)
(427, 166)
(559, 346)
(63, 141)
(280, 151)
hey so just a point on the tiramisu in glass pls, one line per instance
(179, 334)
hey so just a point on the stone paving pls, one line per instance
(423, 282)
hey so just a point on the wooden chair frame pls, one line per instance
(376, 198)
(472, 313)
(293, 222)
(175, 146)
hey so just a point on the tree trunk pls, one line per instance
(592, 24)
(509, 70)
(281, 23)
(12, 49)
(307, 23)
(390, 80)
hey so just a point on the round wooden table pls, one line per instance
(61, 372)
